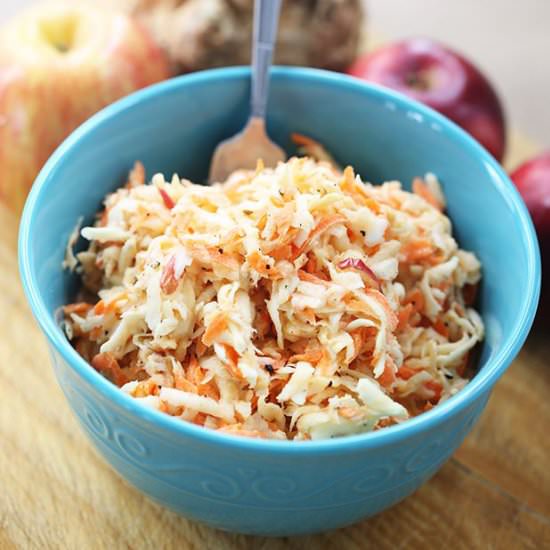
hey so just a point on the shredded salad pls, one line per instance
(289, 303)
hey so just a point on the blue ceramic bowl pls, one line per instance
(268, 487)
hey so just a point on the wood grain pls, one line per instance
(56, 492)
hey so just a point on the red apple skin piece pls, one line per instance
(532, 179)
(442, 79)
(46, 93)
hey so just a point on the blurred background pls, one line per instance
(509, 40)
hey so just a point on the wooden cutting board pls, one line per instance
(55, 492)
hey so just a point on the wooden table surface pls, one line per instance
(55, 492)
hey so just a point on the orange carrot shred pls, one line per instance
(405, 372)
(420, 188)
(107, 365)
(214, 329)
(79, 307)
(387, 378)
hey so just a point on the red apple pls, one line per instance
(442, 79)
(532, 179)
(59, 64)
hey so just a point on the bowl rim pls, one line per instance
(481, 384)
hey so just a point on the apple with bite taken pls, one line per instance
(59, 64)
(442, 79)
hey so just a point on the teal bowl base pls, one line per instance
(240, 494)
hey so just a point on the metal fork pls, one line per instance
(243, 150)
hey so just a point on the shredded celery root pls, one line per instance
(288, 303)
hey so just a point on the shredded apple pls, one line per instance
(289, 303)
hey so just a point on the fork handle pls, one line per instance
(266, 21)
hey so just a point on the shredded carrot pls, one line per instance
(436, 388)
(168, 281)
(194, 372)
(349, 412)
(403, 316)
(281, 252)
(387, 378)
(214, 329)
(311, 265)
(199, 419)
(232, 366)
(420, 188)
(317, 278)
(309, 315)
(102, 307)
(358, 191)
(79, 307)
(383, 301)
(106, 364)
(405, 372)
(418, 250)
(209, 390)
(275, 388)
(261, 264)
(95, 334)
(213, 255)
(303, 141)
(136, 176)
(200, 348)
(183, 384)
(416, 299)
(320, 228)
(325, 364)
(312, 357)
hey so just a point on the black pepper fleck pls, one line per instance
(220, 250)
(364, 233)
(269, 368)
